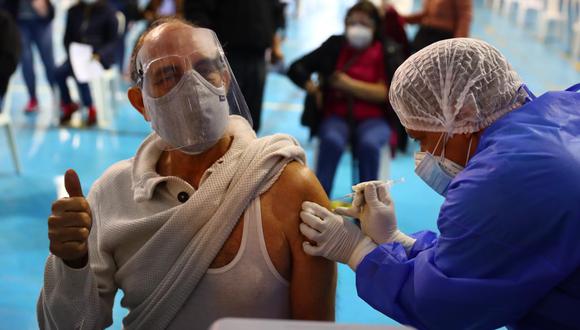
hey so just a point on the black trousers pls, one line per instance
(250, 72)
(429, 35)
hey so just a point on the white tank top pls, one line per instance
(249, 286)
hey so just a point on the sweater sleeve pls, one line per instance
(79, 298)
(301, 70)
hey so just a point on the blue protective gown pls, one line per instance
(508, 252)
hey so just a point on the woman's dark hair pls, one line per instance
(368, 8)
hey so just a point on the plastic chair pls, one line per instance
(6, 122)
(508, 5)
(556, 11)
(528, 5)
(495, 5)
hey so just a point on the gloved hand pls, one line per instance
(374, 207)
(336, 238)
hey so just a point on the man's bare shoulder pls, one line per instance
(297, 180)
(295, 185)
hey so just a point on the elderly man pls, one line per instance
(202, 223)
(508, 164)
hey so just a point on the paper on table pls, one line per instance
(84, 66)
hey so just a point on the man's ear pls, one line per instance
(136, 99)
(227, 80)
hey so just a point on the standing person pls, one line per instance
(131, 13)
(441, 19)
(91, 22)
(34, 19)
(247, 28)
(202, 223)
(9, 51)
(508, 164)
(353, 94)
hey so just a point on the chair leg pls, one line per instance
(13, 148)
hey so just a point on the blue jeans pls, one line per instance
(62, 73)
(369, 137)
(39, 33)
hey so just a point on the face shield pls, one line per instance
(188, 88)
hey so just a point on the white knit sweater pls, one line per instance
(149, 244)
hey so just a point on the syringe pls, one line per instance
(389, 183)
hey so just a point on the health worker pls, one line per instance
(508, 165)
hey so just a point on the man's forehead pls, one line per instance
(177, 39)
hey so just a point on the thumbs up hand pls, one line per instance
(70, 223)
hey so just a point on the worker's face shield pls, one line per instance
(188, 87)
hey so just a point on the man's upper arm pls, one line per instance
(313, 279)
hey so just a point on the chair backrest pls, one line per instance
(120, 23)
(556, 6)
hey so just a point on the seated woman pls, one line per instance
(352, 94)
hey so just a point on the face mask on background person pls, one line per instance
(359, 36)
(192, 117)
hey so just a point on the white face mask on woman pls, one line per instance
(192, 117)
(359, 36)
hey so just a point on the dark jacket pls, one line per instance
(12, 7)
(9, 49)
(242, 26)
(323, 62)
(95, 25)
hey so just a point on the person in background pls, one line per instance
(393, 24)
(157, 9)
(34, 19)
(398, 49)
(91, 22)
(9, 51)
(508, 165)
(352, 94)
(131, 13)
(439, 20)
(247, 28)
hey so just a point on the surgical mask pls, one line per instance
(437, 172)
(191, 117)
(359, 36)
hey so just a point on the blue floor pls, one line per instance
(47, 151)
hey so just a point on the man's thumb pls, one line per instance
(72, 184)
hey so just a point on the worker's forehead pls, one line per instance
(177, 39)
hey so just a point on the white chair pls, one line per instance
(556, 11)
(495, 5)
(508, 5)
(526, 6)
(7, 124)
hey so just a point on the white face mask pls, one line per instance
(192, 117)
(359, 36)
